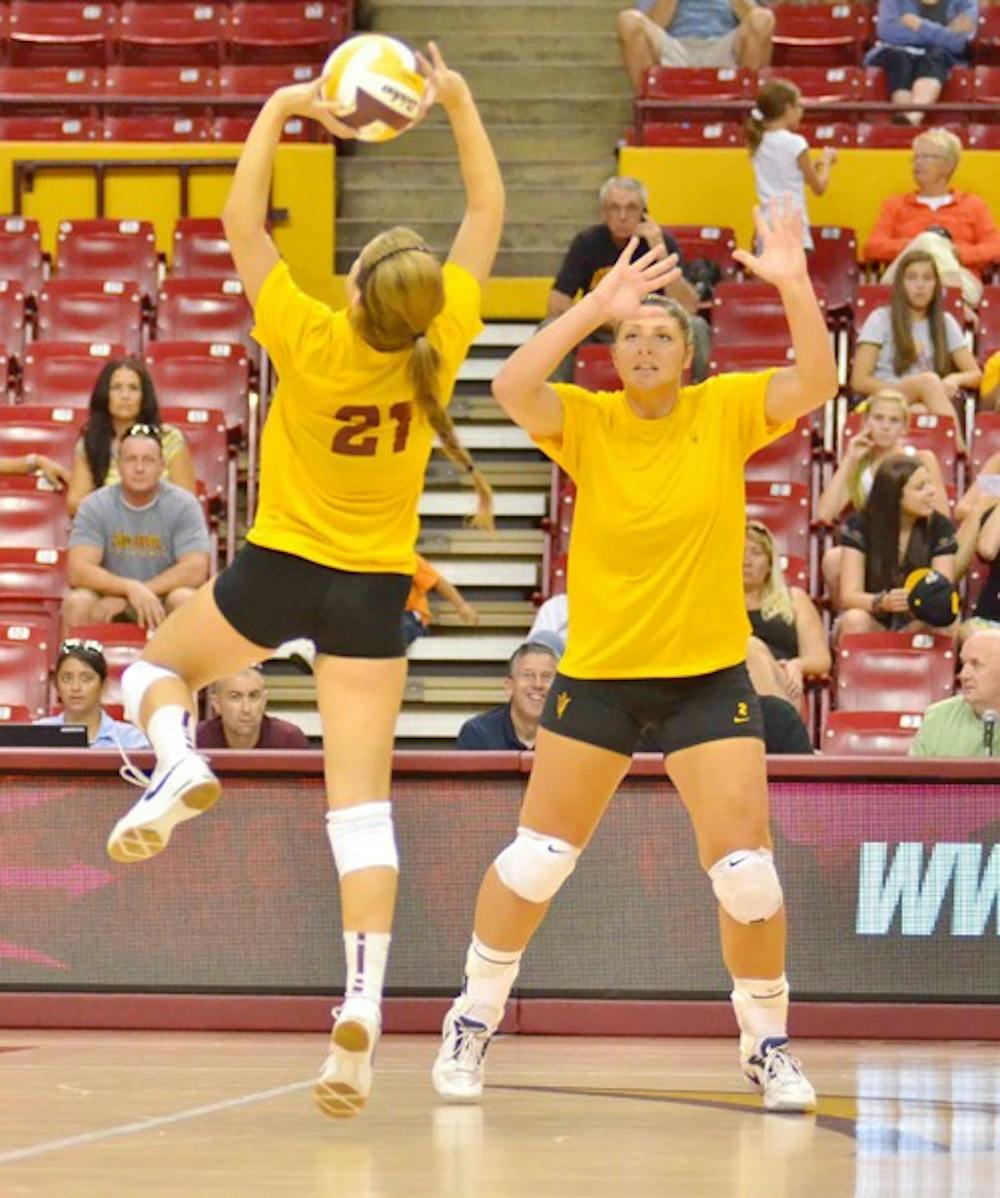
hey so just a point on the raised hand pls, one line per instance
(305, 99)
(628, 283)
(781, 259)
(444, 85)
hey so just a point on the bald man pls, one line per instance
(239, 722)
(964, 726)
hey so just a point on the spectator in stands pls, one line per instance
(882, 435)
(780, 154)
(984, 486)
(123, 396)
(788, 643)
(551, 626)
(912, 345)
(417, 616)
(80, 674)
(965, 218)
(514, 724)
(39, 464)
(919, 43)
(694, 33)
(139, 547)
(897, 532)
(240, 720)
(965, 725)
(594, 250)
(986, 517)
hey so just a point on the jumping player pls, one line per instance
(658, 636)
(330, 556)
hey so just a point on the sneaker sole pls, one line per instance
(146, 840)
(339, 1099)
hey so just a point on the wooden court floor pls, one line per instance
(105, 1114)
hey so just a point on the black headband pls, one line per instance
(365, 273)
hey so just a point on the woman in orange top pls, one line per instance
(658, 635)
(362, 393)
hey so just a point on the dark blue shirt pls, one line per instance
(494, 729)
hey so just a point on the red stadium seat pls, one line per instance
(747, 356)
(12, 317)
(21, 252)
(27, 428)
(183, 32)
(200, 374)
(33, 519)
(157, 127)
(975, 577)
(988, 334)
(200, 249)
(211, 310)
(33, 582)
(898, 137)
(594, 369)
(820, 86)
(60, 34)
(985, 86)
(15, 713)
(24, 668)
(869, 733)
(834, 264)
(253, 83)
(987, 43)
(109, 249)
(983, 137)
(839, 134)
(62, 373)
(715, 242)
(663, 87)
(698, 135)
(820, 34)
(49, 128)
(893, 671)
(795, 570)
(789, 458)
(262, 32)
(205, 434)
(784, 508)
(879, 295)
(169, 90)
(752, 312)
(90, 310)
(927, 431)
(985, 440)
(236, 128)
(28, 91)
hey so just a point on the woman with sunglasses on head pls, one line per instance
(123, 395)
(331, 554)
(80, 674)
(658, 635)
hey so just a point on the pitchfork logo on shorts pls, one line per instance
(562, 702)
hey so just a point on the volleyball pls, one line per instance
(374, 85)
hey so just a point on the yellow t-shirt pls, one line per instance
(655, 581)
(344, 447)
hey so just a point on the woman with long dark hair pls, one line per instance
(897, 532)
(123, 395)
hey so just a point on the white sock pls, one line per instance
(366, 954)
(761, 1006)
(490, 974)
(170, 733)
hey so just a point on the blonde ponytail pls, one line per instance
(398, 302)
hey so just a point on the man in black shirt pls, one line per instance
(594, 250)
(514, 724)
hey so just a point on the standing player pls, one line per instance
(362, 392)
(658, 636)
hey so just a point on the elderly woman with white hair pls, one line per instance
(963, 219)
(919, 43)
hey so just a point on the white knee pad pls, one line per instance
(746, 884)
(361, 837)
(534, 866)
(136, 680)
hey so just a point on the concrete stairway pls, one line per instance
(555, 99)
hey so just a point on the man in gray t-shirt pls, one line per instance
(138, 548)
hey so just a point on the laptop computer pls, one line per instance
(43, 736)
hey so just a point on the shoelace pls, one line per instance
(130, 772)
(472, 1039)
(779, 1064)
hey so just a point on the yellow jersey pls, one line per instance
(344, 447)
(654, 578)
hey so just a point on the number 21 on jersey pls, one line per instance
(357, 437)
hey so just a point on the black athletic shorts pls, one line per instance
(672, 713)
(271, 597)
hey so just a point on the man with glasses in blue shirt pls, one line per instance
(514, 724)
